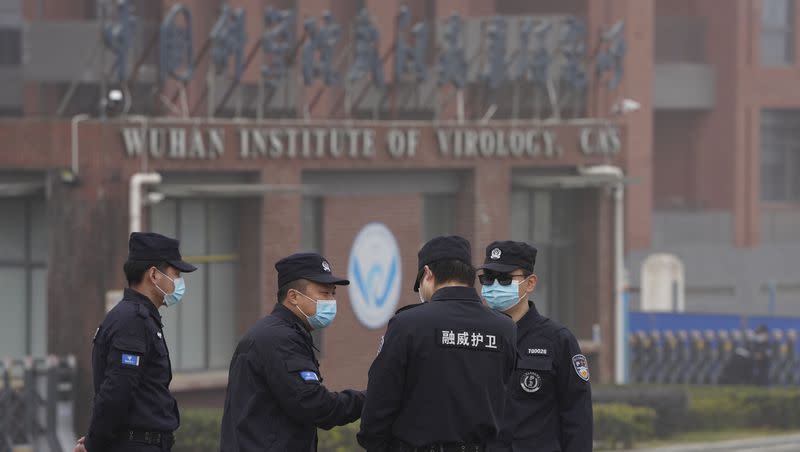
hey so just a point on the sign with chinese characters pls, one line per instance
(297, 142)
(468, 339)
(545, 58)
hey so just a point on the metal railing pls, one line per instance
(37, 404)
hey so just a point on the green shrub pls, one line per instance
(619, 424)
(671, 403)
(339, 439)
(713, 408)
(199, 431)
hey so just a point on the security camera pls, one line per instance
(154, 197)
(626, 106)
(114, 102)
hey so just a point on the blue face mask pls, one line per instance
(326, 312)
(502, 298)
(171, 299)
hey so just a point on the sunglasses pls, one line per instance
(487, 279)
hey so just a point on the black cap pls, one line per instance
(507, 256)
(310, 266)
(152, 247)
(450, 247)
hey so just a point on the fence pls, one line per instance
(37, 404)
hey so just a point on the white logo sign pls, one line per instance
(326, 266)
(374, 272)
(496, 253)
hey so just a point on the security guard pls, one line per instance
(133, 408)
(275, 399)
(438, 381)
(549, 400)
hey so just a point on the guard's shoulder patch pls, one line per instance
(130, 360)
(581, 365)
(309, 376)
(406, 308)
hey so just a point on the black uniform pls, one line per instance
(131, 372)
(132, 407)
(275, 399)
(549, 399)
(440, 376)
(549, 403)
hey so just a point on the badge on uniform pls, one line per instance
(309, 376)
(130, 360)
(581, 365)
(380, 346)
(530, 382)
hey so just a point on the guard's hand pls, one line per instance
(80, 447)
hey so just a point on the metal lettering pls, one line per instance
(260, 143)
(176, 45)
(369, 143)
(532, 147)
(487, 143)
(442, 138)
(291, 135)
(470, 143)
(319, 136)
(458, 143)
(397, 143)
(197, 147)
(502, 150)
(118, 37)
(276, 144)
(244, 143)
(133, 140)
(305, 136)
(157, 142)
(335, 143)
(517, 143)
(216, 138)
(367, 58)
(412, 142)
(551, 148)
(352, 135)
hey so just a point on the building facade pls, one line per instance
(262, 159)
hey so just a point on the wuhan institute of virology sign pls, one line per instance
(198, 143)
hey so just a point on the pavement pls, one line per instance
(778, 443)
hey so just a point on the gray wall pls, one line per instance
(721, 278)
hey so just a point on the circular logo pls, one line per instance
(374, 273)
(326, 266)
(530, 382)
(496, 253)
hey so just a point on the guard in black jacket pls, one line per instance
(133, 409)
(549, 401)
(438, 382)
(276, 399)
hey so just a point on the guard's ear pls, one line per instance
(531, 283)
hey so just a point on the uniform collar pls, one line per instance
(282, 312)
(532, 316)
(456, 293)
(142, 300)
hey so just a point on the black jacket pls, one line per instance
(441, 373)
(549, 402)
(275, 399)
(131, 372)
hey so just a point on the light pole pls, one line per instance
(616, 177)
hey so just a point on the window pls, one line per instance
(777, 32)
(311, 240)
(23, 277)
(10, 47)
(439, 215)
(780, 155)
(200, 331)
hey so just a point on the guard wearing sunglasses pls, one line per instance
(549, 400)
